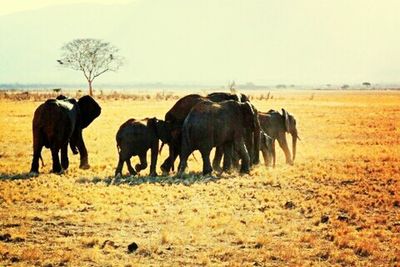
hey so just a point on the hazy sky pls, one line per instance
(12, 6)
(208, 41)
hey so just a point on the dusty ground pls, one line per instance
(338, 205)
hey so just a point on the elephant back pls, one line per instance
(177, 114)
(222, 96)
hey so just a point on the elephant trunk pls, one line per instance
(294, 144)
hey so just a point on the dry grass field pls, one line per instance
(338, 205)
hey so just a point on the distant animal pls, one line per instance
(135, 138)
(276, 125)
(59, 122)
(177, 114)
(211, 124)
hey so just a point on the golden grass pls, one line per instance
(344, 185)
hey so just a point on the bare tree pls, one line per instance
(91, 56)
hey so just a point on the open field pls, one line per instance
(338, 205)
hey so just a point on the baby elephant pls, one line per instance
(267, 148)
(134, 138)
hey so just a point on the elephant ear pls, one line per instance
(286, 115)
(163, 131)
(152, 123)
(88, 110)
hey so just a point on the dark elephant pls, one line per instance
(211, 124)
(266, 147)
(177, 114)
(276, 125)
(135, 138)
(58, 122)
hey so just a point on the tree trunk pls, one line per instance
(90, 88)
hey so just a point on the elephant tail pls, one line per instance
(194, 157)
(161, 147)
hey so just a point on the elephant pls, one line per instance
(210, 124)
(58, 122)
(266, 147)
(136, 137)
(177, 114)
(276, 125)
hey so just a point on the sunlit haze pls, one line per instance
(207, 41)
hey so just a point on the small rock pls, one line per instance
(324, 218)
(323, 256)
(14, 259)
(132, 247)
(37, 219)
(289, 205)
(5, 237)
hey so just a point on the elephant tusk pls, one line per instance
(298, 138)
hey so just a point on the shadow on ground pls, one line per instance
(187, 179)
(17, 176)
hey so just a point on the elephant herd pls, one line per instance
(230, 123)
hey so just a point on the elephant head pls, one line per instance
(88, 111)
(161, 128)
(290, 126)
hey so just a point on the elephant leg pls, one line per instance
(64, 156)
(244, 156)
(185, 153)
(267, 159)
(37, 150)
(217, 158)
(228, 156)
(143, 162)
(56, 159)
(153, 162)
(84, 163)
(130, 168)
(205, 154)
(248, 141)
(168, 164)
(235, 158)
(120, 165)
(283, 144)
(273, 154)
